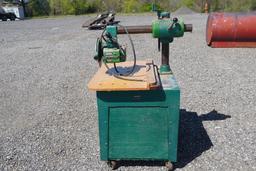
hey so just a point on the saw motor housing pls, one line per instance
(108, 49)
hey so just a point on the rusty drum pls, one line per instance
(231, 30)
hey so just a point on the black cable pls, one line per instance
(115, 68)
(122, 76)
(134, 54)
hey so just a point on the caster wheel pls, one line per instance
(112, 164)
(169, 165)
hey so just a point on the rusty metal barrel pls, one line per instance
(231, 30)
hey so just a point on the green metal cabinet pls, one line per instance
(140, 125)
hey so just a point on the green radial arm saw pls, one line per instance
(165, 29)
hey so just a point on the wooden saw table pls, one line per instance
(144, 77)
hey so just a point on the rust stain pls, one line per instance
(231, 30)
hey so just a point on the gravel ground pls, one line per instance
(48, 118)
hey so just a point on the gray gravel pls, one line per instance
(48, 118)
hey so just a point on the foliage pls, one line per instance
(131, 6)
(111, 5)
(39, 7)
(216, 5)
(188, 3)
(76, 7)
(253, 5)
(147, 7)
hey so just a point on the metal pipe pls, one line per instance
(188, 27)
(227, 30)
(135, 29)
(146, 29)
(165, 53)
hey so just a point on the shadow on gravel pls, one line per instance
(193, 138)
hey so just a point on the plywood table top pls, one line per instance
(144, 77)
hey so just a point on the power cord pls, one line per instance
(121, 75)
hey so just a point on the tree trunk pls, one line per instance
(24, 8)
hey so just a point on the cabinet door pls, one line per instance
(138, 133)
